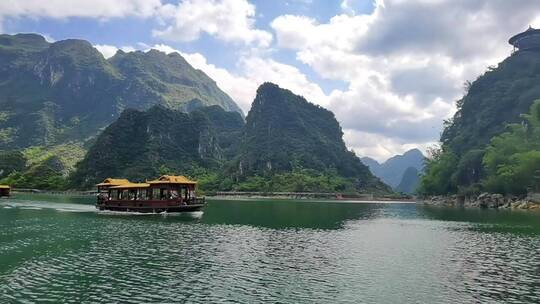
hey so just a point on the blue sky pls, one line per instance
(390, 70)
(131, 31)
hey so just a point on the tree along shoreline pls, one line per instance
(239, 195)
(485, 201)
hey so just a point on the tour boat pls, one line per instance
(5, 191)
(168, 193)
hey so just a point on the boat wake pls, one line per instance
(39, 205)
(87, 208)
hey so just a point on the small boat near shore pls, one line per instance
(5, 191)
(169, 193)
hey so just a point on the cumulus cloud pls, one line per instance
(405, 62)
(252, 71)
(82, 8)
(460, 29)
(109, 50)
(228, 20)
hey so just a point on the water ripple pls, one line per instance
(89, 258)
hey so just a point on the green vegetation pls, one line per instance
(11, 161)
(510, 164)
(40, 167)
(438, 177)
(142, 145)
(512, 160)
(284, 133)
(287, 145)
(492, 102)
(167, 117)
(53, 93)
(301, 180)
(56, 97)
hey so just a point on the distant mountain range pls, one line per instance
(70, 118)
(53, 93)
(55, 98)
(287, 144)
(398, 171)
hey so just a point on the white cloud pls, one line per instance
(48, 38)
(109, 50)
(252, 72)
(405, 63)
(227, 20)
(380, 147)
(80, 8)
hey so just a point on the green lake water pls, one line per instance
(61, 250)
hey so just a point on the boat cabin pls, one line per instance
(172, 187)
(5, 191)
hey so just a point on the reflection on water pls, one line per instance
(267, 251)
(296, 214)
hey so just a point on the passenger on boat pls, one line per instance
(103, 196)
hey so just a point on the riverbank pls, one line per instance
(485, 200)
(240, 195)
(233, 195)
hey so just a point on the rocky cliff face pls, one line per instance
(284, 132)
(52, 93)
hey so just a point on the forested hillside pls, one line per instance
(142, 145)
(56, 97)
(293, 145)
(496, 99)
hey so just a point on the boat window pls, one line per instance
(132, 194)
(141, 193)
(113, 194)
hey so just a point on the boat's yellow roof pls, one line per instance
(113, 182)
(131, 186)
(172, 179)
(5, 187)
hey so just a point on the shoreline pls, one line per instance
(484, 201)
(239, 196)
(314, 199)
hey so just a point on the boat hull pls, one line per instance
(149, 206)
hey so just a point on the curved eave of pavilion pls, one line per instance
(516, 37)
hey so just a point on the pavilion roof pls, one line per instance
(172, 179)
(527, 32)
(131, 186)
(5, 187)
(113, 182)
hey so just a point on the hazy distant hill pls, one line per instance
(52, 93)
(409, 181)
(392, 171)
